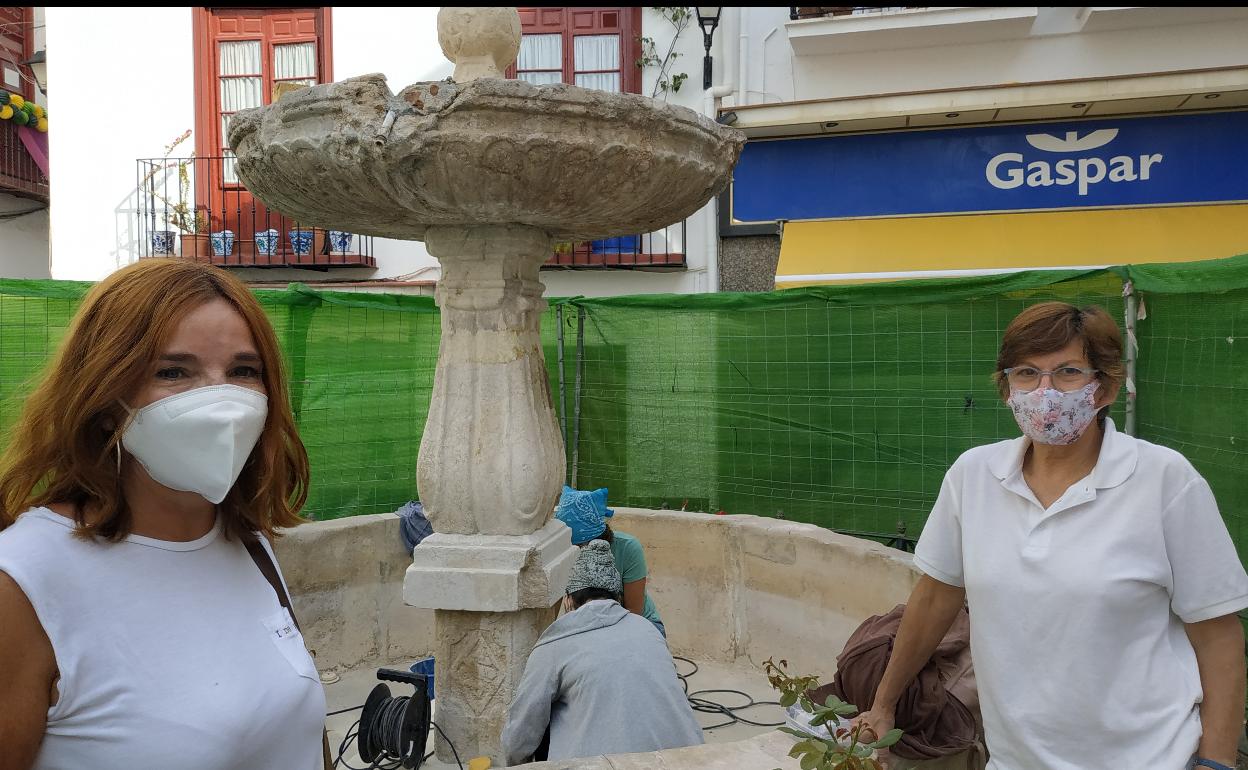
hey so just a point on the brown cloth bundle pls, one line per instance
(938, 710)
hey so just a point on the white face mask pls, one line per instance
(198, 441)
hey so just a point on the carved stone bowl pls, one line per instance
(576, 163)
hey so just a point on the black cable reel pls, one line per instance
(395, 728)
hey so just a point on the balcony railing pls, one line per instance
(818, 12)
(661, 249)
(19, 174)
(196, 208)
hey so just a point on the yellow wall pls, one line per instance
(838, 249)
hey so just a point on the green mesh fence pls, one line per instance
(840, 406)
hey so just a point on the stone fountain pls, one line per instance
(489, 173)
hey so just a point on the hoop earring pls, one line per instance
(117, 446)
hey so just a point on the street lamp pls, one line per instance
(39, 66)
(708, 20)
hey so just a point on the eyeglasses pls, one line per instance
(1065, 378)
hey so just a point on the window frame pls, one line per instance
(208, 139)
(629, 31)
(23, 36)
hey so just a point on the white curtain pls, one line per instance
(597, 52)
(540, 78)
(602, 81)
(240, 93)
(236, 58)
(540, 52)
(295, 62)
(240, 57)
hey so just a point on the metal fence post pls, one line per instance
(576, 398)
(1133, 352)
(563, 391)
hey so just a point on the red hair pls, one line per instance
(62, 449)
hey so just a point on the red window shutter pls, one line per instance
(224, 201)
(16, 46)
(270, 27)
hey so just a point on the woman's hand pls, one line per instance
(875, 724)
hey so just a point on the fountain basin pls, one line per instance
(734, 590)
(578, 164)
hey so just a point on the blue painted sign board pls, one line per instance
(1103, 163)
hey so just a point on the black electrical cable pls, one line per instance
(384, 738)
(708, 706)
(448, 743)
(343, 711)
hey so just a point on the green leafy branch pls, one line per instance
(848, 751)
(680, 17)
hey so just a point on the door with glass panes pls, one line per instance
(253, 55)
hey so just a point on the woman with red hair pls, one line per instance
(138, 491)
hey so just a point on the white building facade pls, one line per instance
(120, 194)
(936, 141)
(872, 134)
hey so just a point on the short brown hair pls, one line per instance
(1051, 326)
(63, 446)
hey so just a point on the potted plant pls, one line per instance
(844, 748)
(194, 226)
(176, 215)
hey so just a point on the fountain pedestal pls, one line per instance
(489, 173)
(490, 470)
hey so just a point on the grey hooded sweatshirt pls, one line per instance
(603, 679)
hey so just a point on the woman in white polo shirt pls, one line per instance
(1101, 580)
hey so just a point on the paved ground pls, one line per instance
(354, 686)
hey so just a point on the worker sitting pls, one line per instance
(600, 678)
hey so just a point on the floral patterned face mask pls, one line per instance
(1049, 416)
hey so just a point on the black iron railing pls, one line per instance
(19, 174)
(660, 249)
(818, 12)
(196, 208)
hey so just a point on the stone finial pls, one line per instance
(482, 42)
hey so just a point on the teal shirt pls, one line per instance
(630, 560)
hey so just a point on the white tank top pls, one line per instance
(171, 655)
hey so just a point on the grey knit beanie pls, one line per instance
(595, 568)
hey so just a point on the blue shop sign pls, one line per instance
(1174, 159)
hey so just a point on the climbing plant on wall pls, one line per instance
(667, 82)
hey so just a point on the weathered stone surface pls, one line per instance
(734, 589)
(491, 457)
(488, 172)
(574, 163)
(491, 573)
(345, 578)
(765, 752)
(741, 589)
(769, 751)
(480, 659)
(481, 41)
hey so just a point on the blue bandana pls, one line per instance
(585, 512)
